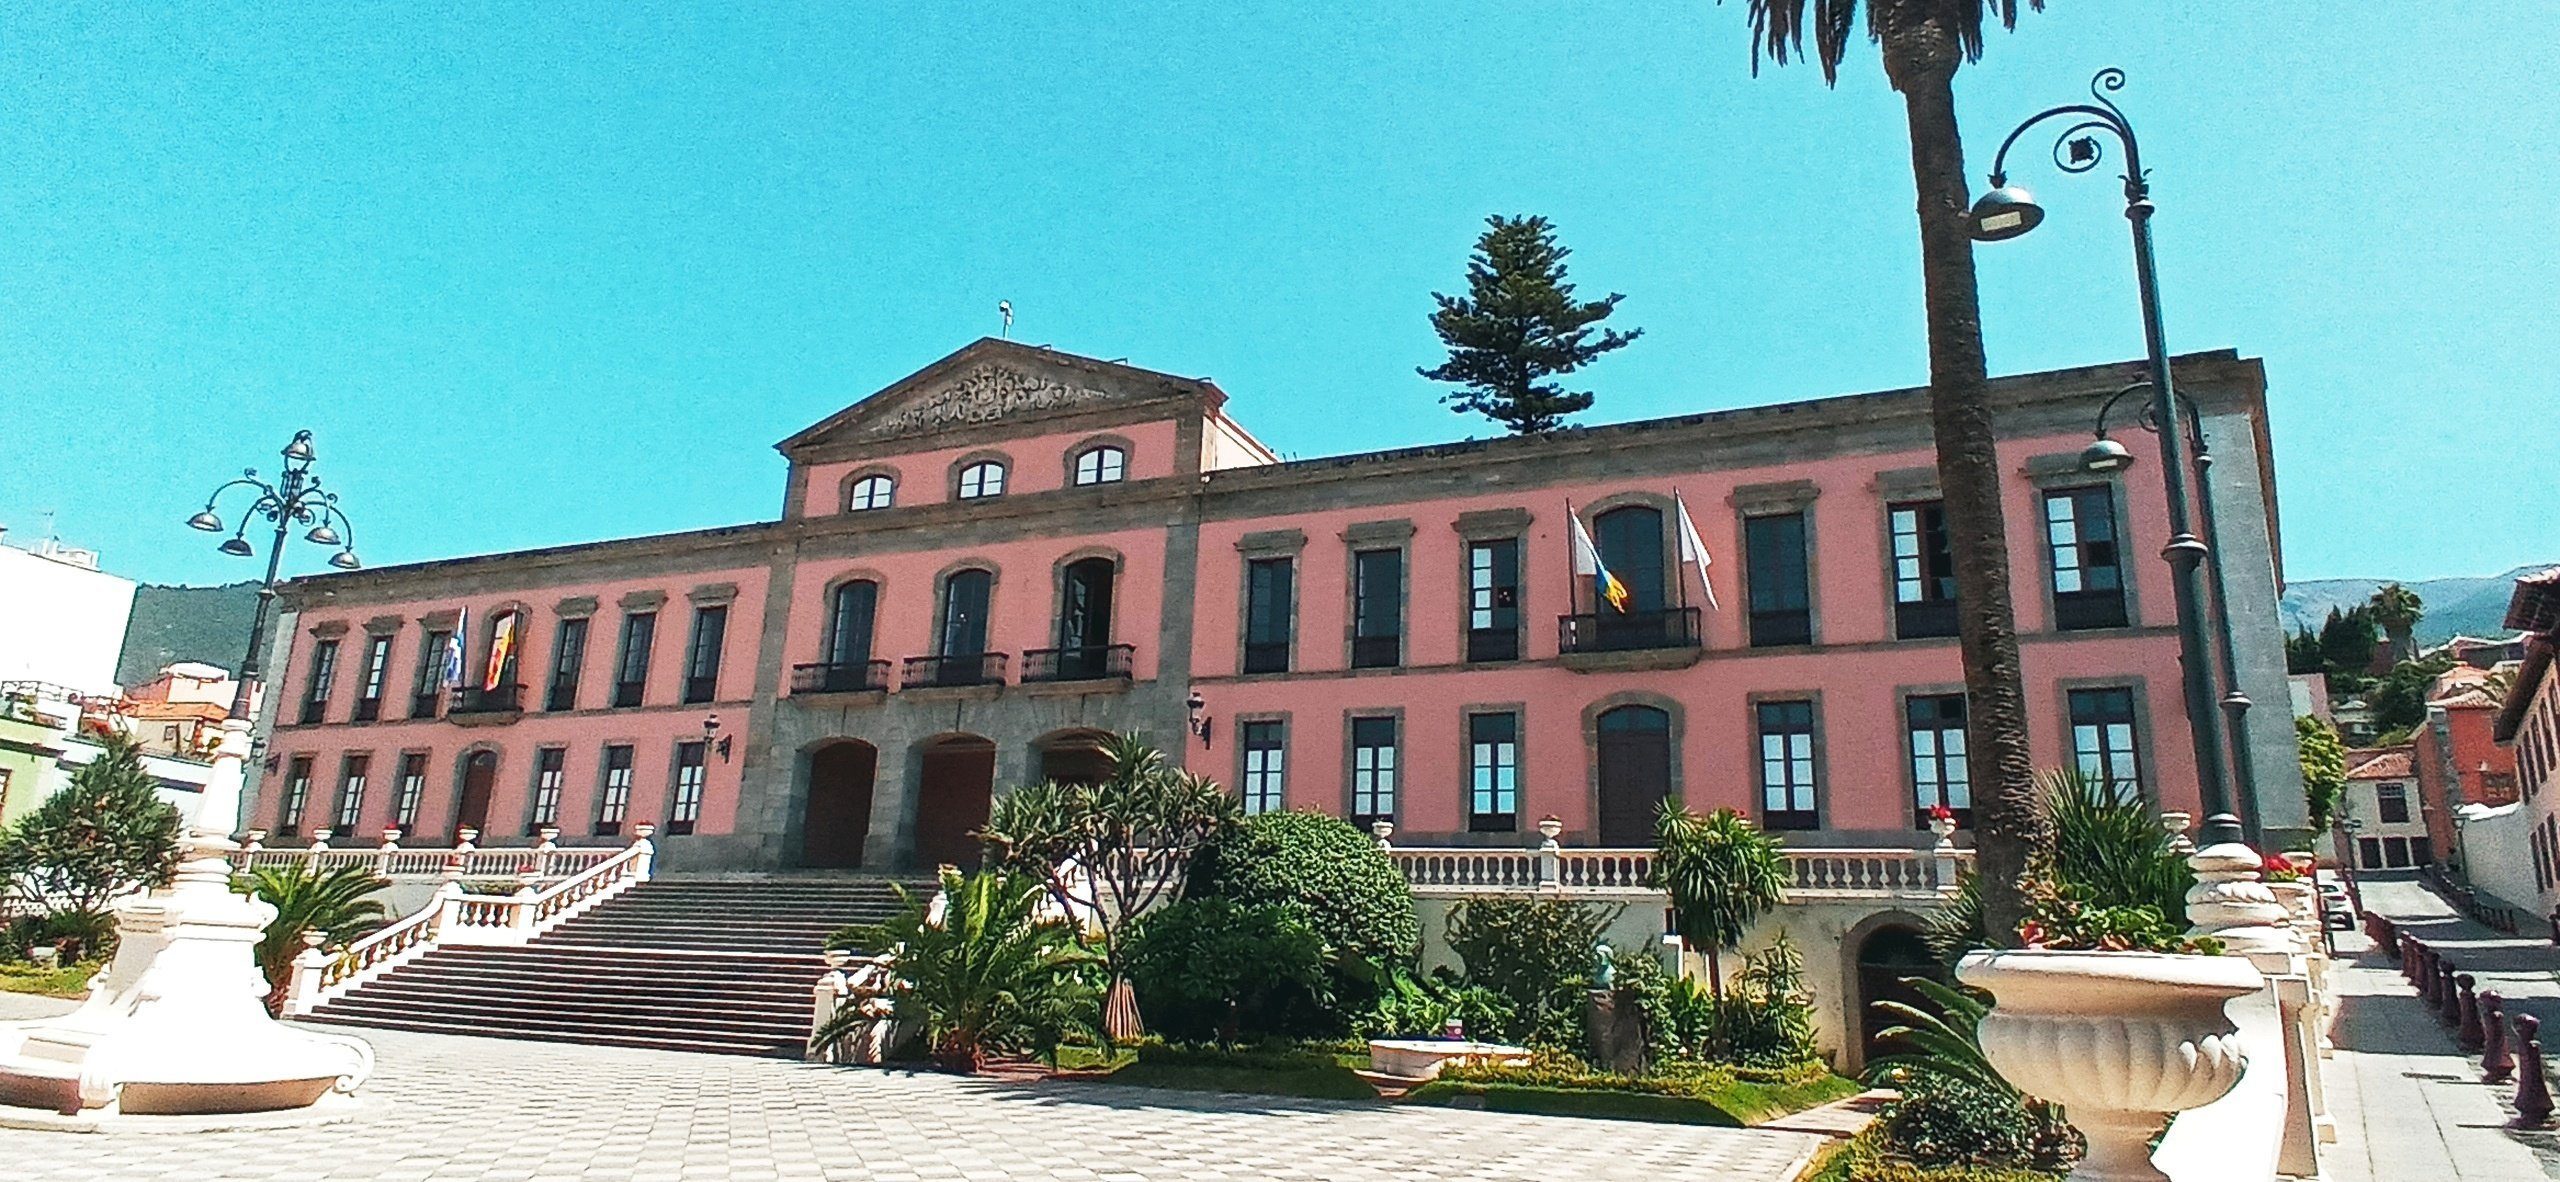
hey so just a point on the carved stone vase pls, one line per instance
(2120, 1039)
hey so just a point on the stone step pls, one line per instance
(783, 1011)
(586, 1036)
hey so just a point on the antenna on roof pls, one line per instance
(1004, 308)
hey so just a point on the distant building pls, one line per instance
(180, 712)
(2390, 818)
(2481, 652)
(2512, 851)
(2455, 753)
(2354, 719)
(61, 618)
(2310, 696)
(45, 737)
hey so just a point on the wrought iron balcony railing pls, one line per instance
(847, 677)
(954, 670)
(1616, 631)
(504, 699)
(1091, 663)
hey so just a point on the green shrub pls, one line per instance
(1216, 968)
(991, 977)
(104, 834)
(1944, 1120)
(1410, 1005)
(1351, 893)
(1868, 1157)
(1695, 1094)
(1285, 1069)
(1537, 954)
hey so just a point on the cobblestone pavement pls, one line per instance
(2408, 1106)
(448, 1109)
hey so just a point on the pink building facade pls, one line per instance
(984, 567)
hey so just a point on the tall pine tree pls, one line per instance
(1518, 327)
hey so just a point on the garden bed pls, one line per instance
(68, 981)
(1732, 1098)
(1315, 1071)
(1864, 1158)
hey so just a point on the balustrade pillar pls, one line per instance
(320, 841)
(1550, 854)
(382, 856)
(546, 844)
(302, 991)
(640, 862)
(2230, 904)
(2533, 1091)
(2497, 1065)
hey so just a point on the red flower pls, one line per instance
(1940, 812)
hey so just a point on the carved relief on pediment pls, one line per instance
(987, 394)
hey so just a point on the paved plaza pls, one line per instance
(451, 1108)
(2408, 1106)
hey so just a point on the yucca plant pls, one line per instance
(2110, 844)
(988, 976)
(339, 904)
(1722, 875)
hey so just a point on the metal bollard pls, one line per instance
(2533, 1092)
(2497, 1065)
(2466, 1027)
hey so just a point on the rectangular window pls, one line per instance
(297, 792)
(1377, 609)
(1924, 571)
(550, 767)
(2391, 802)
(1786, 766)
(568, 655)
(691, 769)
(428, 692)
(2088, 574)
(631, 668)
(377, 669)
(2395, 853)
(1493, 773)
(615, 801)
(1266, 765)
(324, 675)
(2369, 853)
(2102, 739)
(412, 791)
(1493, 600)
(1939, 776)
(1270, 607)
(351, 775)
(1779, 580)
(702, 656)
(1373, 770)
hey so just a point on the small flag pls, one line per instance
(1693, 549)
(1586, 561)
(502, 645)
(453, 650)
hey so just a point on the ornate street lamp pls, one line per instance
(294, 498)
(2006, 212)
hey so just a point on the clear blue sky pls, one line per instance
(549, 276)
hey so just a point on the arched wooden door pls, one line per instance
(1885, 958)
(479, 778)
(1635, 773)
(837, 819)
(957, 790)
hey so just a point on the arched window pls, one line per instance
(849, 623)
(1630, 540)
(1106, 464)
(870, 492)
(964, 612)
(1084, 617)
(1634, 771)
(982, 479)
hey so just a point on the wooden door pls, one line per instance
(1635, 773)
(838, 818)
(953, 801)
(479, 777)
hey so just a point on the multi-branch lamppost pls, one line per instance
(295, 498)
(2006, 212)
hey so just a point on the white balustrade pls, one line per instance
(395, 861)
(1812, 874)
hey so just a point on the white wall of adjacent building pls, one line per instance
(62, 620)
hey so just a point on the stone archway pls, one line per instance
(1887, 949)
(836, 820)
(955, 790)
(1074, 757)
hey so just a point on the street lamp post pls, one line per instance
(294, 498)
(2005, 212)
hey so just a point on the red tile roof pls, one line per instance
(2387, 763)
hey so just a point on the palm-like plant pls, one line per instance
(338, 903)
(988, 975)
(1722, 874)
(1947, 1042)
(2397, 610)
(1923, 43)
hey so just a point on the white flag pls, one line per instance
(453, 650)
(1693, 549)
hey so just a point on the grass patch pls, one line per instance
(1701, 1096)
(68, 981)
(1863, 1158)
(1315, 1072)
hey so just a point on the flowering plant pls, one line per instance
(2279, 868)
(2063, 918)
(1940, 812)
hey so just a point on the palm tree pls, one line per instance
(2397, 609)
(1722, 875)
(1923, 43)
(986, 975)
(339, 904)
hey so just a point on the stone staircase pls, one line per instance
(719, 965)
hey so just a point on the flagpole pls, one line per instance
(1680, 548)
(1572, 575)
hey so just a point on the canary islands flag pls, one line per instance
(502, 646)
(1586, 561)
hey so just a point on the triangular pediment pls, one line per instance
(988, 382)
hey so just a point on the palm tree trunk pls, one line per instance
(1715, 972)
(1921, 59)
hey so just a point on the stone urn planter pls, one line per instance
(2120, 1039)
